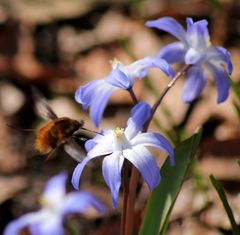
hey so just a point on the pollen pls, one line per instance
(44, 202)
(119, 132)
(114, 62)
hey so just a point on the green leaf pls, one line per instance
(227, 208)
(70, 228)
(235, 88)
(237, 108)
(163, 197)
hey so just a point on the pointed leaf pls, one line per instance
(163, 197)
(227, 208)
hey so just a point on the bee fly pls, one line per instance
(59, 131)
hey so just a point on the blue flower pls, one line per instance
(195, 48)
(130, 143)
(96, 93)
(55, 205)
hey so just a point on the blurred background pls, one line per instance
(57, 46)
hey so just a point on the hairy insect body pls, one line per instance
(55, 133)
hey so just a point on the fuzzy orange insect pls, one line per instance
(58, 131)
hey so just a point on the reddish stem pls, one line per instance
(128, 218)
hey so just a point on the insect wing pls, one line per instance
(42, 107)
(74, 150)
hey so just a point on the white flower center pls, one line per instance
(120, 142)
(51, 205)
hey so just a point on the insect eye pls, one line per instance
(77, 124)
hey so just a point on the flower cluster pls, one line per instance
(117, 145)
(131, 143)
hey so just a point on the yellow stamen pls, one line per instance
(44, 202)
(119, 132)
(114, 62)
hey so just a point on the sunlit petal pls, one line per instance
(221, 80)
(155, 140)
(112, 166)
(196, 80)
(173, 52)
(146, 164)
(77, 202)
(169, 25)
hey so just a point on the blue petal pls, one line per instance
(78, 171)
(189, 22)
(161, 64)
(221, 55)
(195, 83)
(140, 114)
(99, 102)
(171, 26)
(89, 144)
(146, 164)
(84, 94)
(173, 53)
(221, 80)
(78, 202)
(155, 140)
(55, 187)
(112, 166)
(51, 224)
(198, 36)
(139, 68)
(14, 227)
(226, 58)
(119, 79)
(194, 57)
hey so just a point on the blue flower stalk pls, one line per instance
(194, 48)
(56, 204)
(130, 144)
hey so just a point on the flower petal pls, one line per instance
(96, 95)
(99, 102)
(155, 140)
(140, 114)
(104, 148)
(78, 202)
(193, 56)
(84, 94)
(15, 226)
(51, 223)
(112, 166)
(189, 22)
(139, 68)
(146, 164)
(197, 35)
(173, 52)
(78, 171)
(119, 79)
(195, 83)
(219, 55)
(89, 144)
(221, 81)
(55, 189)
(169, 25)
